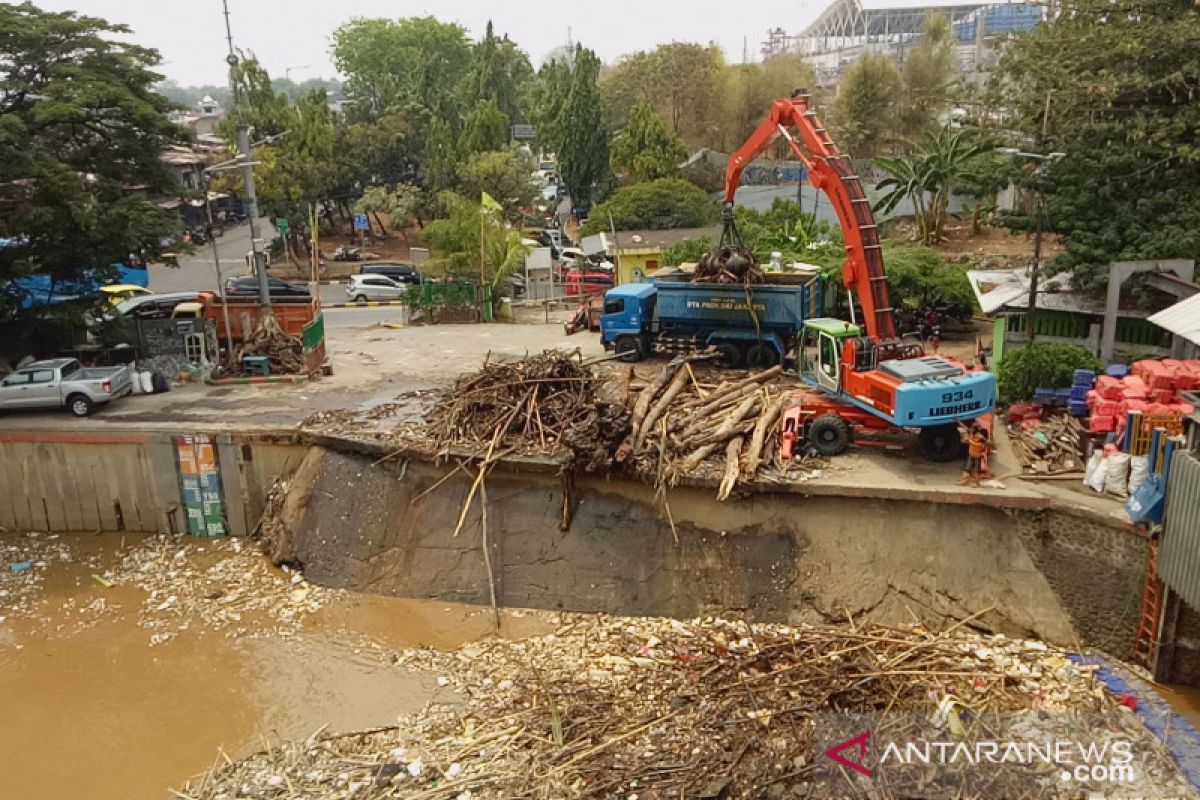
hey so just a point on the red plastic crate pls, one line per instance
(1102, 424)
(1164, 396)
(1108, 387)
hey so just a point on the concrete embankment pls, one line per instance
(820, 551)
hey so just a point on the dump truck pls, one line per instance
(753, 326)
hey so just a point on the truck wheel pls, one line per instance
(80, 405)
(729, 355)
(629, 349)
(941, 443)
(761, 356)
(829, 435)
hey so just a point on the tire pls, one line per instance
(729, 355)
(940, 444)
(829, 435)
(761, 356)
(629, 349)
(361, 299)
(80, 405)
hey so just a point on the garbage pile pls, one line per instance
(284, 351)
(539, 404)
(655, 708)
(220, 584)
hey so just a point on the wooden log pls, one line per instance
(732, 468)
(702, 420)
(682, 378)
(698, 455)
(731, 422)
(714, 399)
(642, 407)
(767, 420)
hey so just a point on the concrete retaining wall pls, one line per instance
(777, 557)
(125, 481)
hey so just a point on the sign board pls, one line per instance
(418, 255)
(524, 133)
(282, 225)
(539, 259)
(596, 243)
(360, 222)
(200, 482)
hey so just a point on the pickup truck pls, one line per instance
(63, 383)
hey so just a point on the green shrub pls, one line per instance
(654, 205)
(1038, 365)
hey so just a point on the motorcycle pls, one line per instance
(343, 253)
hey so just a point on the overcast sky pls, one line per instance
(190, 34)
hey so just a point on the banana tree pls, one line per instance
(927, 176)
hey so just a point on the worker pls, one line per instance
(977, 447)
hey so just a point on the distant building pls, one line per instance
(848, 28)
(203, 119)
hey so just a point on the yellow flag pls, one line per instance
(490, 204)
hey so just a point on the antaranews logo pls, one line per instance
(985, 756)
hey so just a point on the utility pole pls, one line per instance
(247, 163)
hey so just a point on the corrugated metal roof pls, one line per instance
(1179, 558)
(1181, 319)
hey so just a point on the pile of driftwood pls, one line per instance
(539, 404)
(677, 424)
(1052, 447)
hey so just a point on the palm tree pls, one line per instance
(926, 177)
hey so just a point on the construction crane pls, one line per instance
(867, 382)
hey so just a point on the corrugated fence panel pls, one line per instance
(1179, 556)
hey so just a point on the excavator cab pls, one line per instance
(820, 351)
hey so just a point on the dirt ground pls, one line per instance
(998, 242)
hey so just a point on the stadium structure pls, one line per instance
(848, 28)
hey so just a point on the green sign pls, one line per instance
(281, 225)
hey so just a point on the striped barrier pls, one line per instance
(368, 304)
(256, 379)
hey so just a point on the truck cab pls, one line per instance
(623, 327)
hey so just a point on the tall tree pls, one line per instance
(442, 158)
(864, 113)
(680, 80)
(646, 150)
(747, 91)
(79, 124)
(927, 176)
(500, 71)
(1120, 82)
(548, 96)
(583, 155)
(410, 65)
(486, 128)
(928, 73)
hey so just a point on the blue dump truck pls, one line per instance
(753, 326)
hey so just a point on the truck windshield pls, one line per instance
(614, 306)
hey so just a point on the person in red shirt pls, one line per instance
(976, 450)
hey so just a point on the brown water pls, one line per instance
(94, 711)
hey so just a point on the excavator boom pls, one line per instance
(831, 172)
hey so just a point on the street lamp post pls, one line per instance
(1039, 176)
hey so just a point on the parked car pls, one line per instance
(116, 293)
(63, 383)
(401, 273)
(154, 306)
(553, 237)
(364, 288)
(247, 285)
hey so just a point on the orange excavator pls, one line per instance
(865, 381)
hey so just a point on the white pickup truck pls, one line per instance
(63, 383)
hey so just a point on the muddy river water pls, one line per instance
(95, 706)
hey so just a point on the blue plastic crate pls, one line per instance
(1044, 396)
(1080, 392)
(1077, 408)
(1084, 377)
(1116, 370)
